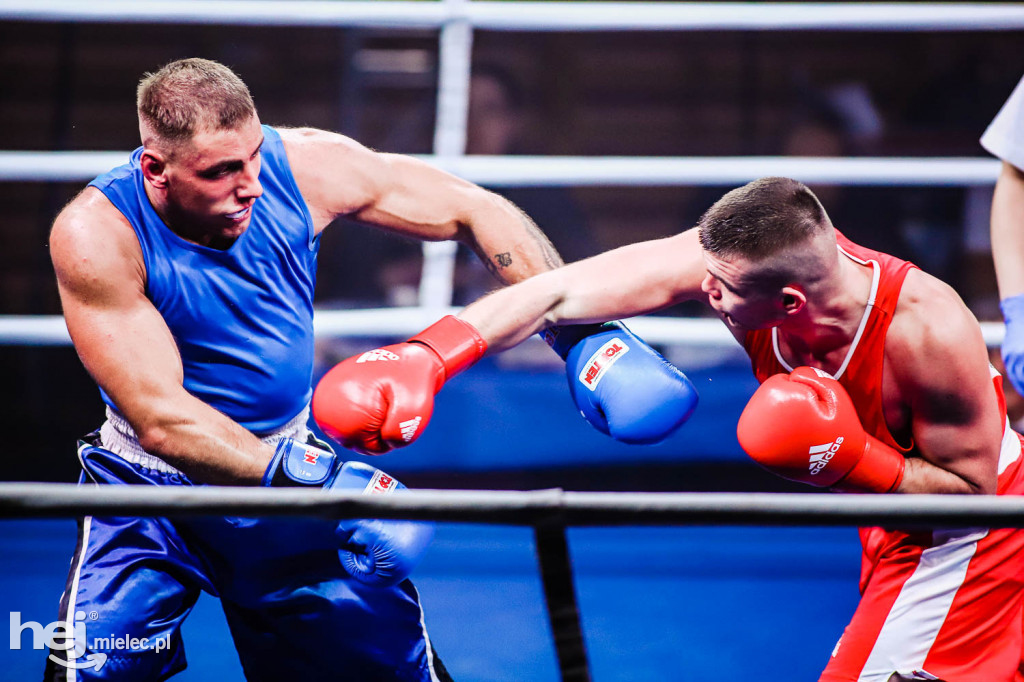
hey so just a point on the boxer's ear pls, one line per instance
(154, 168)
(793, 300)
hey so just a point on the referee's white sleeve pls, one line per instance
(1004, 137)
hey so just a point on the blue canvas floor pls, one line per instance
(656, 603)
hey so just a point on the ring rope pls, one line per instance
(535, 508)
(50, 330)
(538, 171)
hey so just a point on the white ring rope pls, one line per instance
(741, 16)
(537, 507)
(536, 16)
(398, 323)
(518, 171)
(535, 171)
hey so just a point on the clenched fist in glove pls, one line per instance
(803, 426)
(383, 398)
(376, 552)
(622, 386)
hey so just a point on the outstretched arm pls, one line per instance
(624, 282)
(340, 177)
(384, 398)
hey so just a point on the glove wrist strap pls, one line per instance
(880, 470)
(562, 338)
(299, 464)
(456, 342)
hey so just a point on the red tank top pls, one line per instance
(861, 373)
(861, 376)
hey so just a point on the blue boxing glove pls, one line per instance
(622, 386)
(1013, 340)
(376, 552)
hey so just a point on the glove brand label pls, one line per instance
(606, 356)
(822, 454)
(375, 355)
(380, 484)
(311, 456)
(409, 428)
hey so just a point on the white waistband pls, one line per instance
(118, 436)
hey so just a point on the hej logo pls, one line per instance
(58, 636)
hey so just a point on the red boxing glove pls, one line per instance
(803, 426)
(383, 398)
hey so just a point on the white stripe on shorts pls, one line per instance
(921, 608)
(69, 617)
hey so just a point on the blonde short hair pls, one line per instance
(190, 95)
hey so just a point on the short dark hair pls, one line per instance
(188, 95)
(762, 218)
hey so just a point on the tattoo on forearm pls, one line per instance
(507, 269)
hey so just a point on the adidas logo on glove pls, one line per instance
(822, 454)
(409, 428)
(377, 354)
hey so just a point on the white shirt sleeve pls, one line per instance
(1004, 137)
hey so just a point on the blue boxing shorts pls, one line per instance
(293, 612)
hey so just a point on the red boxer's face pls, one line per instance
(738, 301)
(212, 182)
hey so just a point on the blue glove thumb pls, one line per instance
(625, 388)
(378, 552)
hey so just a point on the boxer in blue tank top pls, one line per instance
(187, 280)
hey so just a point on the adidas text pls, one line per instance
(822, 454)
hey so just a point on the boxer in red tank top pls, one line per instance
(875, 378)
(956, 615)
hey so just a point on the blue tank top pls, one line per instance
(242, 317)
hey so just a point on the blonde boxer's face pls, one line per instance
(213, 183)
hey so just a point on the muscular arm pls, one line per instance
(627, 281)
(340, 177)
(127, 348)
(1008, 231)
(939, 363)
